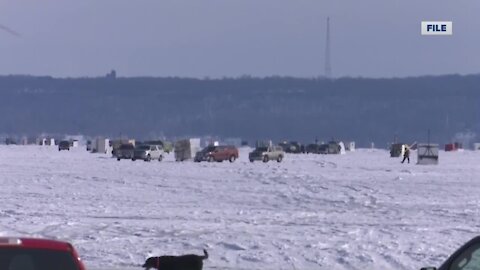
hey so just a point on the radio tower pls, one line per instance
(328, 67)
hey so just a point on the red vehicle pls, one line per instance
(217, 153)
(38, 254)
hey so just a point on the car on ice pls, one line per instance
(467, 257)
(124, 151)
(217, 153)
(267, 153)
(315, 148)
(38, 254)
(148, 152)
(64, 145)
(331, 147)
(292, 147)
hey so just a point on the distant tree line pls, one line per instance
(277, 108)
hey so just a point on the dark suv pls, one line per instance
(64, 145)
(314, 148)
(217, 153)
(292, 147)
(125, 151)
(38, 254)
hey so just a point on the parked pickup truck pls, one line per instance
(124, 151)
(267, 153)
(148, 152)
(217, 153)
(292, 147)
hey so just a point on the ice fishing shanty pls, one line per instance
(397, 149)
(186, 149)
(427, 154)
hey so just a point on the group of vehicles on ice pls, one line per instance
(190, 149)
(211, 153)
(331, 147)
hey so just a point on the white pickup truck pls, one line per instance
(267, 153)
(148, 153)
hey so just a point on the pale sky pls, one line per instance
(216, 38)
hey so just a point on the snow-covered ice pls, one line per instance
(362, 210)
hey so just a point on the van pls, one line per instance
(217, 153)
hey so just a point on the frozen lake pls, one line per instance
(362, 210)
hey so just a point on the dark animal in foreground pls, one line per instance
(184, 262)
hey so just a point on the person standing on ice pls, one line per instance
(406, 154)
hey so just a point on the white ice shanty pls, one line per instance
(186, 149)
(427, 154)
(350, 146)
(476, 146)
(101, 145)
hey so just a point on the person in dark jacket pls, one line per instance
(406, 154)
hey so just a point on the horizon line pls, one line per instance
(246, 76)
